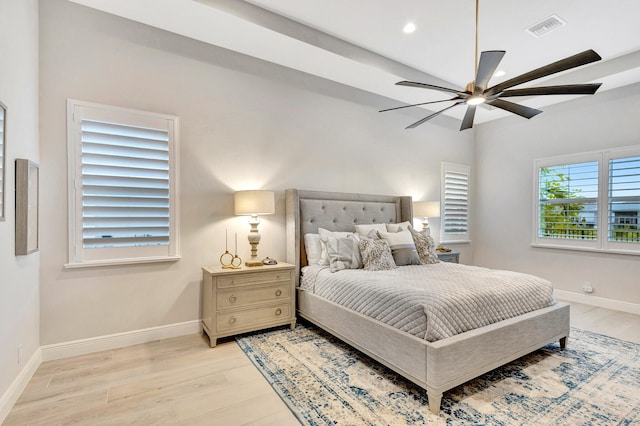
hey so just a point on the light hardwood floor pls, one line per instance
(181, 381)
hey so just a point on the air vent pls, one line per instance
(552, 23)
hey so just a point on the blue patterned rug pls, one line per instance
(595, 381)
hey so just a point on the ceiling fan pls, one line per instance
(477, 92)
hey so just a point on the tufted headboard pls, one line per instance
(306, 211)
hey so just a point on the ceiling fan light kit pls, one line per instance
(477, 92)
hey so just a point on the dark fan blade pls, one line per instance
(467, 121)
(521, 110)
(569, 89)
(423, 103)
(574, 61)
(489, 61)
(417, 123)
(428, 86)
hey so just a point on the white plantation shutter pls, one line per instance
(455, 203)
(624, 200)
(568, 201)
(123, 195)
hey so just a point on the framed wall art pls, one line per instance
(3, 143)
(26, 206)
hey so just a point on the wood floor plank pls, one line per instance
(181, 381)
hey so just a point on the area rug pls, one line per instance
(595, 381)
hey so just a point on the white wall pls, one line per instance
(505, 153)
(245, 124)
(19, 290)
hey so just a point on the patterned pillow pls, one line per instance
(402, 246)
(376, 255)
(343, 253)
(426, 247)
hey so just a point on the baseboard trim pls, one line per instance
(17, 386)
(119, 340)
(632, 308)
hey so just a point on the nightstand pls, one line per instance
(451, 256)
(247, 299)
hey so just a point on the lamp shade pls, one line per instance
(254, 203)
(426, 209)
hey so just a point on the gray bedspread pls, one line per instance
(432, 301)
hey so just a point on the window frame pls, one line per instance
(454, 238)
(602, 242)
(78, 255)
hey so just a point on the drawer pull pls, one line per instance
(278, 292)
(232, 320)
(278, 311)
(232, 299)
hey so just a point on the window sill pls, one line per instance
(588, 249)
(455, 242)
(116, 262)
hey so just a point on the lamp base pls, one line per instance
(253, 263)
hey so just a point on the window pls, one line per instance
(122, 185)
(589, 201)
(455, 203)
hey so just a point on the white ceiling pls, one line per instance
(360, 43)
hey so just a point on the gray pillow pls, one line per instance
(402, 246)
(343, 253)
(376, 255)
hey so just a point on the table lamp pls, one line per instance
(425, 210)
(253, 204)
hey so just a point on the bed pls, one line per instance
(435, 366)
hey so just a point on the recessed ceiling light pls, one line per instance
(499, 73)
(409, 28)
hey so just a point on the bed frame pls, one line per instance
(435, 366)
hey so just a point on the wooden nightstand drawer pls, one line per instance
(248, 319)
(451, 257)
(238, 280)
(245, 297)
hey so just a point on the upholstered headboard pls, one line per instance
(306, 211)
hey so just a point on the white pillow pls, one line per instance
(324, 234)
(402, 246)
(395, 227)
(313, 248)
(366, 228)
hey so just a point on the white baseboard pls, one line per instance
(119, 340)
(618, 305)
(17, 386)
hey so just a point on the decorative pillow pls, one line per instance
(365, 229)
(372, 235)
(344, 253)
(402, 247)
(426, 247)
(313, 248)
(396, 227)
(376, 255)
(324, 234)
